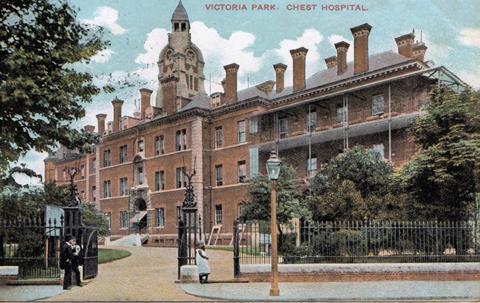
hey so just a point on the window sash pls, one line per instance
(283, 127)
(242, 171)
(106, 158)
(160, 214)
(253, 125)
(218, 214)
(377, 105)
(241, 131)
(219, 175)
(218, 137)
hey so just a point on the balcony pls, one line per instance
(336, 132)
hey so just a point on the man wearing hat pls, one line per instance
(69, 262)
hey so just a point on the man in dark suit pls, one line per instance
(69, 261)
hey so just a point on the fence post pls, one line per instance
(181, 256)
(236, 250)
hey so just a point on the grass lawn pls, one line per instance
(109, 255)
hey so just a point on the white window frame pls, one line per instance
(242, 134)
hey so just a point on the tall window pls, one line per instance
(94, 166)
(82, 171)
(106, 158)
(242, 171)
(218, 137)
(159, 180)
(94, 193)
(311, 120)
(140, 175)
(159, 145)
(312, 166)
(218, 214)
(181, 178)
(283, 127)
(123, 154)
(123, 186)
(107, 189)
(340, 113)
(241, 131)
(219, 175)
(123, 219)
(160, 217)
(181, 139)
(253, 125)
(377, 105)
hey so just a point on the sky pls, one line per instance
(256, 39)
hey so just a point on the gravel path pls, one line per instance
(147, 275)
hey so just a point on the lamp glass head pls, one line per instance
(273, 166)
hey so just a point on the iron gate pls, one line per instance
(90, 251)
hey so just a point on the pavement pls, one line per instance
(28, 292)
(341, 291)
(149, 275)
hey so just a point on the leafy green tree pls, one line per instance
(41, 91)
(289, 202)
(443, 179)
(356, 185)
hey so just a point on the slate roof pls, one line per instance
(180, 13)
(376, 62)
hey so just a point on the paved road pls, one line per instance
(448, 291)
(147, 275)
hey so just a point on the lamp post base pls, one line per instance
(274, 292)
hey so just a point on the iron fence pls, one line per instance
(33, 245)
(359, 242)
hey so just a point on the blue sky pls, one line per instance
(256, 40)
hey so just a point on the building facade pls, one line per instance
(136, 175)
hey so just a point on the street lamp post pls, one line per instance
(273, 170)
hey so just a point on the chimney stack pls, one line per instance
(331, 62)
(89, 129)
(418, 51)
(117, 114)
(145, 95)
(231, 83)
(280, 69)
(101, 124)
(342, 48)
(298, 56)
(405, 44)
(169, 91)
(360, 47)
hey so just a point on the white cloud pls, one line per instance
(338, 38)
(470, 36)
(471, 77)
(436, 50)
(310, 39)
(106, 17)
(155, 42)
(219, 51)
(34, 161)
(103, 56)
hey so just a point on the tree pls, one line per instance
(41, 91)
(443, 179)
(356, 185)
(289, 202)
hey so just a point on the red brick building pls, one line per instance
(136, 173)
